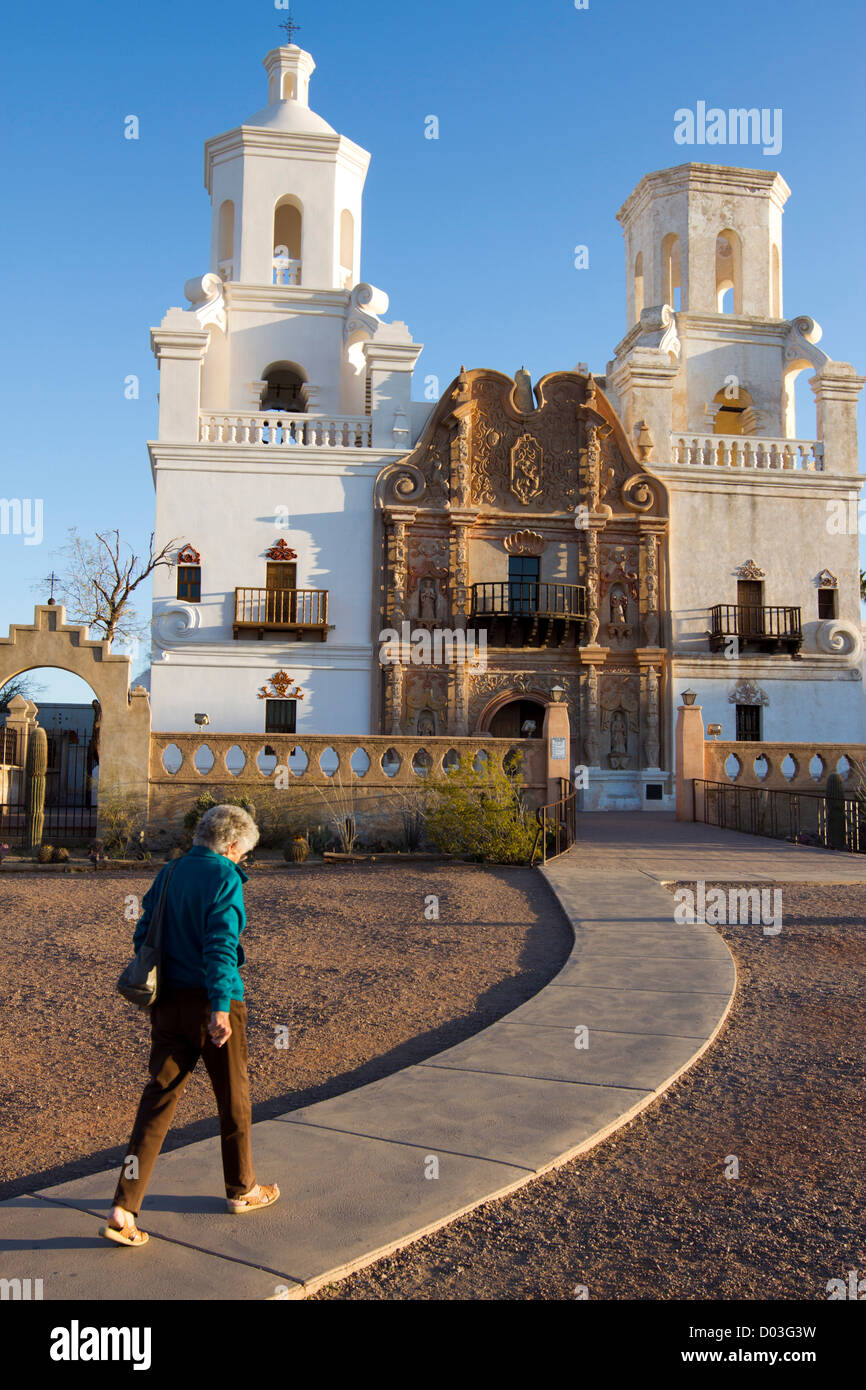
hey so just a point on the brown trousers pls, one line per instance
(179, 1036)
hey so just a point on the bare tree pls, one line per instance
(19, 685)
(99, 577)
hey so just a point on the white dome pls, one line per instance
(291, 116)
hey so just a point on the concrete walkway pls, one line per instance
(364, 1174)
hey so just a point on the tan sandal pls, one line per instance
(127, 1235)
(254, 1200)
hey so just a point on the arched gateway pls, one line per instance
(124, 736)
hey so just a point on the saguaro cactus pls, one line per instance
(835, 794)
(37, 765)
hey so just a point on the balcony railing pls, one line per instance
(746, 451)
(770, 628)
(286, 270)
(284, 430)
(528, 614)
(282, 610)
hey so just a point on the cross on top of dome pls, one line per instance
(290, 28)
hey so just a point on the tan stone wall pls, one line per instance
(125, 731)
(378, 800)
(802, 754)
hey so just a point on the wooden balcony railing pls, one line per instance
(282, 610)
(770, 628)
(529, 614)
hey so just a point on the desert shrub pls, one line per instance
(206, 802)
(120, 823)
(479, 812)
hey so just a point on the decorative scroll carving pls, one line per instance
(839, 637)
(827, 580)
(803, 334)
(748, 693)
(174, 623)
(205, 294)
(400, 484)
(750, 571)
(281, 551)
(638, 494)
(280, 687)
(188, 556)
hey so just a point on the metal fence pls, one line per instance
(557, 826)
(8, 747)
(781, 815)
(70, 810)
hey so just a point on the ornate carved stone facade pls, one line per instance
(504, 484)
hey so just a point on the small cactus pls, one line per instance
(37, 766)
(835, 795)
(60, 856)
(298, 852)
(45, 854)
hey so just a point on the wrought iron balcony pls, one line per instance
(301, 611)
(526, 614)
(769, 629)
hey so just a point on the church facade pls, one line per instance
(606, 541)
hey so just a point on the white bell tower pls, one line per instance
(286, 190)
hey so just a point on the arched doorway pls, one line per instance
(520, 717)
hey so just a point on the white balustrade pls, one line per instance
(286, 271)
(283, 430)
(746, 451)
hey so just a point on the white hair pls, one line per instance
(222, 826)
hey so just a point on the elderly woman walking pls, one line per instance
(199, 1013)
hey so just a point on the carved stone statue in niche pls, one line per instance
(620, 703)
(619, 606)
(619, 739)
(428, 581)
(427, 603)
(426, 702)
(425, 724)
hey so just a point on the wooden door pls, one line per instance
(282, 583)
(750, 600)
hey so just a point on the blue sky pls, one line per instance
(549, 115)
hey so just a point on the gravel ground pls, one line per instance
(650, 1214)
(342, 956)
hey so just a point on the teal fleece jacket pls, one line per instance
(204, 920)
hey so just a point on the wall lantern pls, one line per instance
(714, 730)
(689, 697)
(557, 694)
(202, 720)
